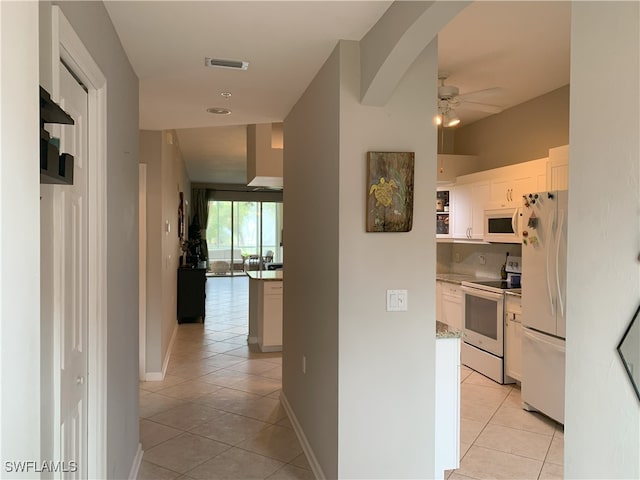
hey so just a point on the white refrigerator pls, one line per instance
(544, 300)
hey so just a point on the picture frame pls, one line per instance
(390, 185)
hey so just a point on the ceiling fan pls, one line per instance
(449, 99)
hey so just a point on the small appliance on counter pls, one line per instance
(513, 268)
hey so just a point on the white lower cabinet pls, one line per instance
(513, 337)
(270, 317)
(439, 301)
(451, 305)
(447, 454)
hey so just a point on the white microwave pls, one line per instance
(502, 224)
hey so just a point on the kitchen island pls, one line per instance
(265, 309)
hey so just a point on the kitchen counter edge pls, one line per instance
(444, 331)
(266, 275)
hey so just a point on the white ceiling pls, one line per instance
(520, 46)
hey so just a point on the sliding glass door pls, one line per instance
(243, 236)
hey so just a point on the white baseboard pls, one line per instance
(270, 348)
(302, 438)
(137, 461)
(159, 376)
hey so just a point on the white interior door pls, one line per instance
(71, 248)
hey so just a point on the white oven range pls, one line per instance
(483, 325)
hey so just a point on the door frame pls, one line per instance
(68, 48)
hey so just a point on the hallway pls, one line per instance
(217, 414)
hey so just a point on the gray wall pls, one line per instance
(151, 155)
(602, 434)
(311, 206)
(370, 373)
(93, 25)
(524, 132)
(166, 177)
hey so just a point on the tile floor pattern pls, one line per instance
(498, 439)
(217, 414)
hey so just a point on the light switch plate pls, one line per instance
(397, 300)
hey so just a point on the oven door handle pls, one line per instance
(476, 292)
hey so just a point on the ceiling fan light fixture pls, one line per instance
(451, 119)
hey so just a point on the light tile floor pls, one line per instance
(217, 414)
(501, 440)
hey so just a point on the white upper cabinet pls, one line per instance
(468, 210)
(512, 182)
(558, 168)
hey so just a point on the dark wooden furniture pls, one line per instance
(191, 294)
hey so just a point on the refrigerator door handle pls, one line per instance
(558, 241)
(548, 270)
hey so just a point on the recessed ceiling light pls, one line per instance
(226, 94)
(219, 111)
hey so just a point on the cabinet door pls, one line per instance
(513, 353)
(508, 192)
(523, 185)
(481, 193)
(462, 212)
(558, 168)
(500, 191)
(452, 306)
(272, 315)
(439, 301)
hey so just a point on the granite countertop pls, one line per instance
(268, 275)
(443, 331)
(458, 278)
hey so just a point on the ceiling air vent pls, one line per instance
(233, 64)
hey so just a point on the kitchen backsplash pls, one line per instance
(468, 258)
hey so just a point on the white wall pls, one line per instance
(166, 177)
(19, 234)
(602, 429)
(386, 367)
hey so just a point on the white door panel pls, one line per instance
(71, 247)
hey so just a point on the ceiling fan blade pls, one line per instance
(482, 107)
(480, 94)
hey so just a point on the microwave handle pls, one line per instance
(514, 222)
